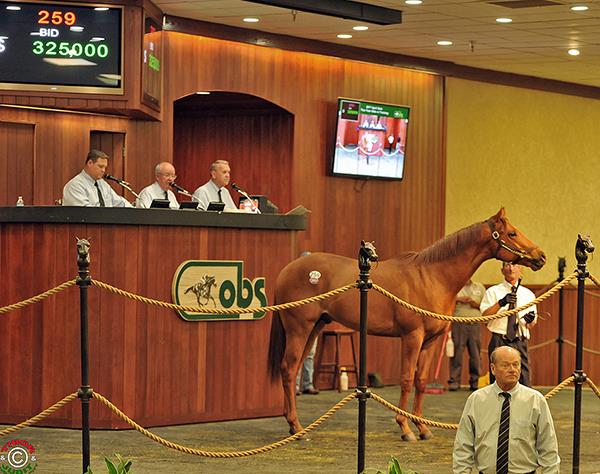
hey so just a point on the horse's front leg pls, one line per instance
(423, 366)
(411, 344)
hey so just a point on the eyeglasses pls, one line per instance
(168, 175)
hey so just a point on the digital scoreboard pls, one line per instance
(62, 47)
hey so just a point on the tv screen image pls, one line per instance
(370, 139)
(62, 47)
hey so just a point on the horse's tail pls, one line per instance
(276, 346)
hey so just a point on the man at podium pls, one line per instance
(161, 188)
(214, 190)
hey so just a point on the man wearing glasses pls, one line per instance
(513, 331)
(161, 188)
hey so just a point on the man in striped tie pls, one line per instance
(506, 427)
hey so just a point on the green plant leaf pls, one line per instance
(111, 467)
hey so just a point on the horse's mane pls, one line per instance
(450, 245)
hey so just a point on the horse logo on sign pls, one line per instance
(218, 284)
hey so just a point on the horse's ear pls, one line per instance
(500, 214)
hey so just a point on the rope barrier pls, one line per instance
(585, 349)
(559, 387)
(593, 386)
(542, 344)
(474, 319)
(40, 416)
(410, 416)
(225, 454)
(193, 309)
(594, 279)
(36, 298)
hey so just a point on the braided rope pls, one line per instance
(410, 416)
(226, 454)
(585, 349)
(594, 279)
(542, 344)
(593, 386)
(40, 416)
(193, 309)
(475, 319)
(36, 298)
(559, 387)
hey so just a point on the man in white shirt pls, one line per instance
(89, 189)
(214, 190)
(161, 188)
(515, 331)
(506, 427)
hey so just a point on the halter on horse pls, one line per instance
(429, 279)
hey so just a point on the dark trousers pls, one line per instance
(465, 335)
(520, 345)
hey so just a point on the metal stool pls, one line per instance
(333, 367)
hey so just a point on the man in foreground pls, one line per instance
(506, 427)
(89, 189)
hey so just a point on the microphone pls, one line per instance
(243, 193)
(116, 180)
(179, 189)
(123, 183)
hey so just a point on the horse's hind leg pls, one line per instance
(298, 343)
(423, 366)
(411, 344)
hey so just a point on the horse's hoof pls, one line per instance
(425, 436)
(408, 437)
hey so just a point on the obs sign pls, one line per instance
(217, 284)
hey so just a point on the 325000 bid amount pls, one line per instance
(70, 50)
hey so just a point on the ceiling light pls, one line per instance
(101, 9)
(413, 2)
(360, 28)
(203, 93)
(579, 8)
(344, 36)
(573, 52)
(251, 19)
(444, 43)
(504, 20)
(13, 7)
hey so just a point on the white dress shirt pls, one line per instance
(154, 191)
(81, 191)
(209, 192)
(532, 440)
(497, 292)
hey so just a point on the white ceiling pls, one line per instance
(534, 44)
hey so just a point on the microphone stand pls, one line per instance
(125, 184)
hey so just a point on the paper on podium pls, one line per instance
(298, 211)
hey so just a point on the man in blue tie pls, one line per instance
(506, 427)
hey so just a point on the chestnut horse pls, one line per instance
(429, 279)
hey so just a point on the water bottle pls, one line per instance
(449, 346)
(20, 202)
(343, 379)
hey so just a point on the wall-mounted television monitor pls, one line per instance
(61, 47)
(370, 140)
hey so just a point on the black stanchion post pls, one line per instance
(562, 263)
(366, 255)
(84, 392)
(582, 248)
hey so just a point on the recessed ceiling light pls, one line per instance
(574, 52)
(203, 93)
(13, 7)
(413, 2)
(579, 8)
(251, 19)
(344, 36)
(504, 20)
(444, 43)
(360, 28)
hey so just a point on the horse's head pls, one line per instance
(509, 244)
(583, 247)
